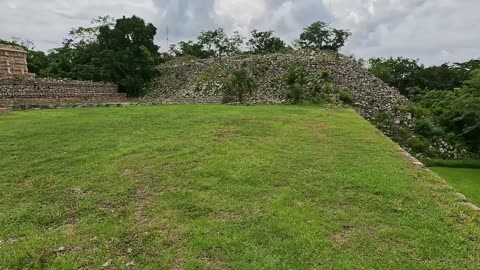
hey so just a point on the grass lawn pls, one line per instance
(220, 187)
(465, 180)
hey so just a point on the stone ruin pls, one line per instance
(188, 81)
(203, 81)
(13, 62)
(18, 86)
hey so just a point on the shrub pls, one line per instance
(321, 99)
(296, 79)
(326, 76)
(239, 85)
(295, 93)
(416, 110)
(296, 75)
(426, 127)
(346, 97)
(382, 118)
(418, 144)
(302, 88)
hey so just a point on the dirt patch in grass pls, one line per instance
(142, 197)
(79, 192)
(318, 126)
(349, 233)
(227, 216)
(214, 262)
(108, 206)
(223, 135)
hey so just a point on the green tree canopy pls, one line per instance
(218, 43)
(128, 53)
(120, 51)
(397, 72)
(265, 42)
(190, 48)
(321, 36)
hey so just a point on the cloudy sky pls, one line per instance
(435, 31)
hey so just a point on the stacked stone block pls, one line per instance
(13, 62)
(19, 90)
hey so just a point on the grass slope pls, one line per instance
(465, 180)
(217, 187)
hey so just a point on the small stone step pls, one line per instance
(4, 110)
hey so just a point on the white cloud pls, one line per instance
(433, 30)
(240, 12)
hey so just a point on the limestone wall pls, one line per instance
(13, 62)
(20, 90)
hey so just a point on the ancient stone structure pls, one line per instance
(372, 98)
(17, 90)
(13, 62)
(183, 81)
(17, 85)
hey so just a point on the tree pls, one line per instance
(128, 53)
(473, 82)
(457, 111)
(190, 48)
(38, 62)
(88, 35)
(217, 43)
(240, 84)
(397, 72)
(321, 36)
(80, 56)
(443, 77)
(265, 42)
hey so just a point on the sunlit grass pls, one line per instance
(220, 187)
(465, 180)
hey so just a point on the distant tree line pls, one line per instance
(123, 51)
(446, 98)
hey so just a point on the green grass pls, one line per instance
(465, 180)
(221, 187)
(471, 164)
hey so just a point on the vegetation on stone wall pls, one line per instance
(240, 84)
(303, 87)
(446, 99)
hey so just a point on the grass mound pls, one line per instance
(215, 187)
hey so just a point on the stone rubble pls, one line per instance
(188, 81)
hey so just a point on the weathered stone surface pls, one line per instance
(16, 90)
(472, 206)
(17, 85)
(13, 62)
(205, 78)
(461, 197)
(197, 81)
(229, 100)
(27, 106)
(202, 79)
